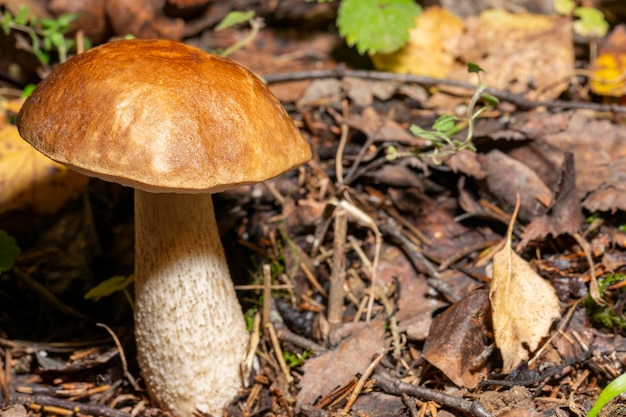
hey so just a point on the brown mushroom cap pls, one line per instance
(161, 116)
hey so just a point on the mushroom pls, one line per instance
(177, 124)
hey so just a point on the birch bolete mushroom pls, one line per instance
(177, 124)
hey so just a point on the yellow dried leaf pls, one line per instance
(609, 68)
(431, 49)
(28, 178)
(524, 305)
(608, 75)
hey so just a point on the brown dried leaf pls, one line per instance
(336, 367)
(523, 304)
(455, 341)
(506, 177)
(566, 215)
(524, 53)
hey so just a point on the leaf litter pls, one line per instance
(446, 345)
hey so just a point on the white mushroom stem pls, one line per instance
(190, 330)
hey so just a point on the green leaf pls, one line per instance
(474, 68)
(57, 39)
(21, 18)
(445, 123)
(234, 18)
(6, 20)
(28, 90)
(8, 251)
(65, 20)
(615, 388)
(109, 286)
(591, 22)
(490, 100)
(375, 26)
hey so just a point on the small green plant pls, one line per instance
(111, 286)
(589, 21)
(446, 126)
(294, 360)
(9, 251)
(615, 388)
(606, 316)
(46, 35)
(377, 26)
(235, 18)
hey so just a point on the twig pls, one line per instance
(397, 387)
(120, 351)
(43, 403)
(363, 379)
(410, 403)
(516, 99)
(415, 256)
(338, 277)
(267, 294)
(5, 378)
(594, 290)
(278, 352)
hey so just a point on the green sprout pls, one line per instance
(615, 388)
(440, 136)
(45, 35)
(294, 360)
(111, 286)
(607, 316)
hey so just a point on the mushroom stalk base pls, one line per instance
(190, 330)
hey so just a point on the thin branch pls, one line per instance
(518, 100)
(397, 387)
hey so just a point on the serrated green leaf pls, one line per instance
(8, 251)
(109, 286)
(376, 26)
(234, 18)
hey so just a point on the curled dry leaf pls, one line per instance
(454, 344)
(523, 304)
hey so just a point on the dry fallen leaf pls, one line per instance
(336, 367)
(28, 178)
(523, 304)
(524, 53)
(431, 48)
(455, 343)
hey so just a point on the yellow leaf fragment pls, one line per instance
(609, 68)
(431, 48)
(524, 305)
(29, 179)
